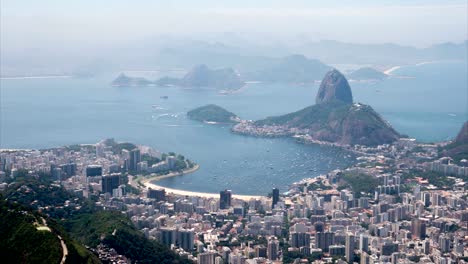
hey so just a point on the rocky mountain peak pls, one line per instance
(334, 87)
(462, 136)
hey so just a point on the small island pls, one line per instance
(367, 74)
(126, 81)
(213, 114)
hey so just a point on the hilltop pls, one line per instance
(212, 113)
(334, 87)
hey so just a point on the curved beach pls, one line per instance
(149, 183)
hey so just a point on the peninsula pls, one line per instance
(333, 119)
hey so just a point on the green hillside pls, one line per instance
(212, 113)
(338, 122)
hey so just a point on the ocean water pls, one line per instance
(37, 113)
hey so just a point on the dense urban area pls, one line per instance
(399, 203)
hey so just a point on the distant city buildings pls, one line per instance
(395, 219)
(225, 199)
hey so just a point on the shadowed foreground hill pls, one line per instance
(23, 242)
(83, 223)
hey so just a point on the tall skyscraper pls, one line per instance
(185, 239)
(158, 194)
(363, 243)
(275, 197)
(323, 240)
(299, 239)
(135, 157)
(168, 235)
(225, 199)
(273, 248)
(349, 251)
(110, 182)
(207, 258)
(418, 229)
(93, 170)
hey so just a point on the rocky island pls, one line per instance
(126, 81)
(212, 114)
(333, 119)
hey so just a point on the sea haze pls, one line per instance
(430, 105)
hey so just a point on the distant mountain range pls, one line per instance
(290, 69)
(243, 55)
(367, 73)
(198, 76)
(251, 58)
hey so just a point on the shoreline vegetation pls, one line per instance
(149, 182)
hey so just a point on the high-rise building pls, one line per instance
(363, 243)
(168, 236)
(93, 170)
(225, 199)
(110, 182)
(324, 240)
(365, 259)
(207, 258)
(100, 148)
(444, 243)
(298, 239)
(171, 162)
(185, 239)
(69, 169)
(337, 250)
(418, 229)
(56, 174)
(158, 194)
(135, 158)
(275, 197)
(260, 252)
(386, 249)
(349, 252)
(273, 248)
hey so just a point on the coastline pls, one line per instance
(148, 183)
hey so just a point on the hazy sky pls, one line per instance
(31, 24)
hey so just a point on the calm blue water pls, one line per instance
(38, 113)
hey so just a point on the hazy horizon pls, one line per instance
(30, 24)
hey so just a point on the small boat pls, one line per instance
(164, 97)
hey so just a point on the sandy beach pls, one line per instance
(148, 183)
